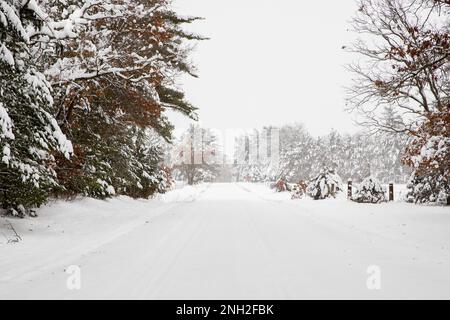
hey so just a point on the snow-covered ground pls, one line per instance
(227, 241)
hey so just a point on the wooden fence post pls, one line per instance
(349, 190)
(391, 191)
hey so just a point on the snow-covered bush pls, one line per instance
(282, 185)
(370, 191)
(299, 190)
(325, 185)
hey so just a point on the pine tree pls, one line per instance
(357, 156)
(116, 91)
(253, 163)
(29, 136)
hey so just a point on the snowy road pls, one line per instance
(235, 241)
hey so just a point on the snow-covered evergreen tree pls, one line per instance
(252, 156)
(30, 137)
(113, 82)
(101, 72)
(297, 153)
(196, 157)
(357, 156)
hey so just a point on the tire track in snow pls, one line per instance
(366, 243)
(148, 261)
(271, 256)
(77, 252)
(168, 260)
(320, 221)
(152, 268)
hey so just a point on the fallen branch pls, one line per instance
(16, 237)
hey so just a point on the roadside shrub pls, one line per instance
(370, 191)
(325, 185)
(299, 190)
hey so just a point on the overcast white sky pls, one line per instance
(270, 62)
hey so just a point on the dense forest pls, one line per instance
(302, 156)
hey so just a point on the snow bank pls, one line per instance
(66, 230)
(183, 193)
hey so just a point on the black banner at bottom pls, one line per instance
(227, 309)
